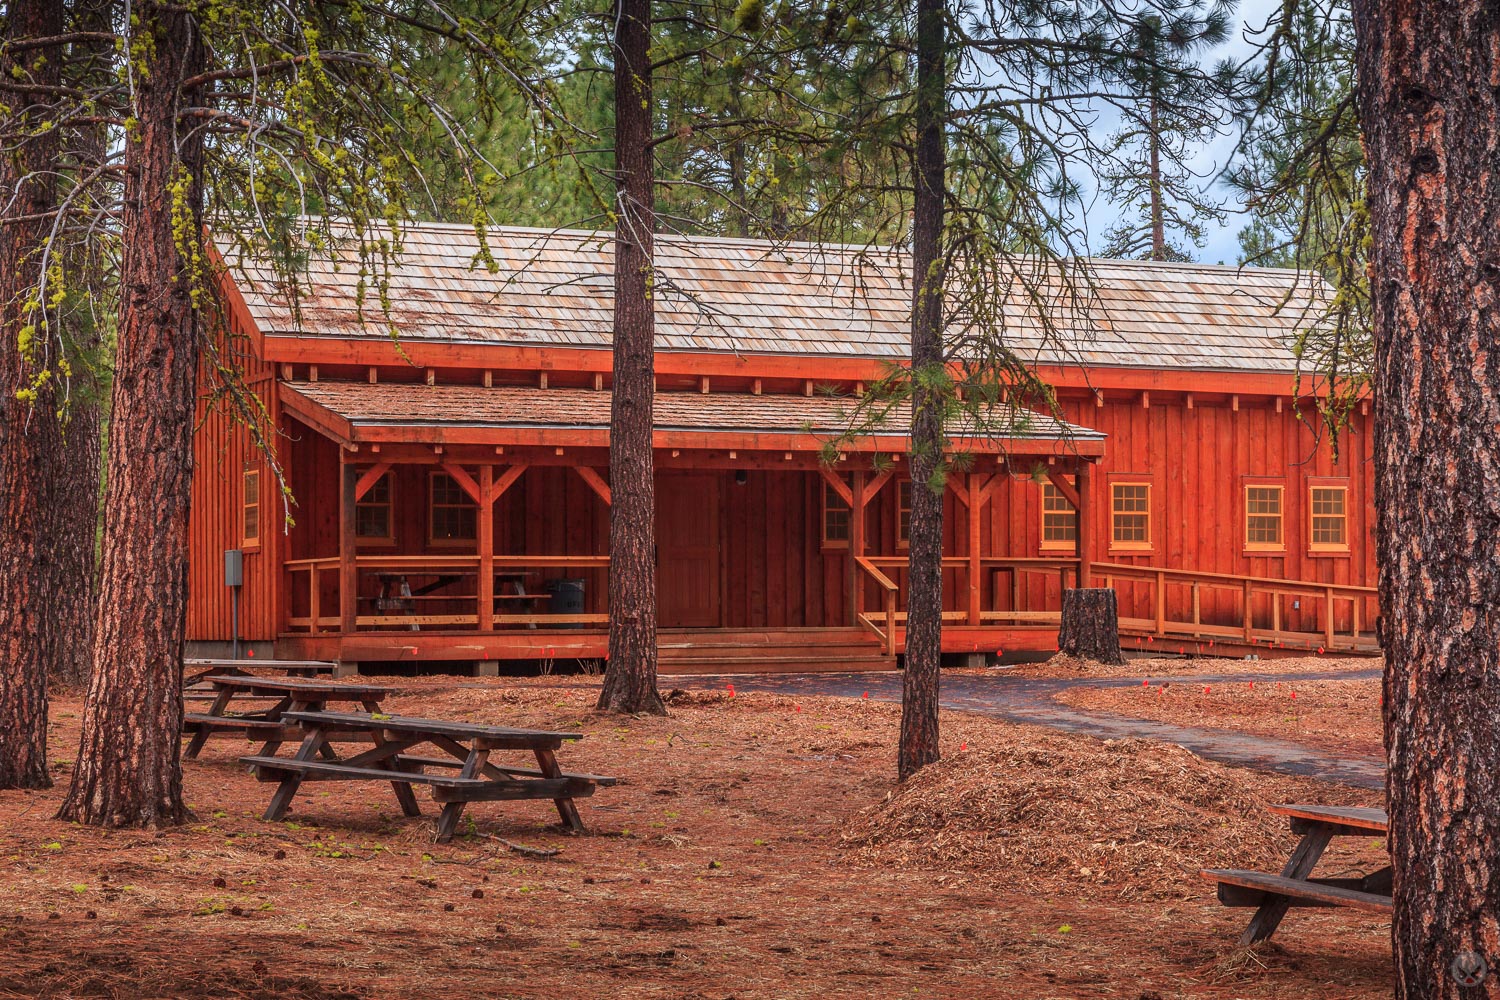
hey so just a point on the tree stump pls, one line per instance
(1090, 625)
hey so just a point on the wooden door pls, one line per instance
(688, 553)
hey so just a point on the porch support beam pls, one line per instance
(486, 515)
(874, 486)
(505, 481)
(837, 482)
(856, 548)
(596, 483)
(369, 479)
(1063, 486)
(1085, 526)
(348, 569)
(975, 502)
(464, 481)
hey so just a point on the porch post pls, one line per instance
(976, 580)
(486, 534)
(1085, 526)
(348, 569)
(856, 549)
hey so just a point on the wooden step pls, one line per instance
(750, 656)
(774, 664)
(1318, 892)
(678, 647)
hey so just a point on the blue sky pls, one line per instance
(1222, 243)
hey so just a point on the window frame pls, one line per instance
(1133, 547)
(1260, 549)
(433, 506)
(834, 544)
(1064, 544)
(250, 499)
(903, 513)
(389, 538)
(1325, 550)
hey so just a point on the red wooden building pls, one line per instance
(448, 462)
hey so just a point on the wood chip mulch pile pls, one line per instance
(1111, 819)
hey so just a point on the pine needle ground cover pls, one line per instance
(756, 847)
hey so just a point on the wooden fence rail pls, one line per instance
(460, 567)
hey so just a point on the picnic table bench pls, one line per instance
(291, 694)
(1273, 895)
(207, 667)
(468, 747)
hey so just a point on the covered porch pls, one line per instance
(470, 522)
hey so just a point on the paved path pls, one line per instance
(1029, 700)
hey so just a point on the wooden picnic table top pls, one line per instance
(1373, 820)
(297, 685)
(433, 727)
(216, 663)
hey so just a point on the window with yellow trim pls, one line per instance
(452, 516)
(903, 512)
(1264, 518)
(1059, 519)
(372, 513)
(1329, 506)
(1130, 515)
(838, 520)
(250, 522)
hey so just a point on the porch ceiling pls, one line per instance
(358, 412)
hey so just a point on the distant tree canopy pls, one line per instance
(1170, 109)
(1301, 171)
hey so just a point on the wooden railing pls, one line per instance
(1247, 588)
(459, 566)
(888, 594)
(1258, 618)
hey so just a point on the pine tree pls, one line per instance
(327, 128)
(1431, 115)
(1168, 112)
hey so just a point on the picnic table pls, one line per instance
(468, 748)
(270, 722)
(211, 666)
(1273, 895)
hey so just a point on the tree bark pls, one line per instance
(129, 769)
(630, 678)
(28, 429)
(1090, 625)
(1426, 84)
(75, 472)
(924, 621)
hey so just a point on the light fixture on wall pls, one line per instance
(741, 477)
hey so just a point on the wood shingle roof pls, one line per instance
(754, 297)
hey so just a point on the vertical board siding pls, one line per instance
(775, 573)
(222, 448)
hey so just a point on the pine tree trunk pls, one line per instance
(1431, 112)
(128, 771)
(924, 622)
(75, 473)
(1158, 212)
(1090, 625)
(630, 678)
(74, 531)
(28, 433)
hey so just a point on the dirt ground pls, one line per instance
(755, 848)
(1338, 716)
